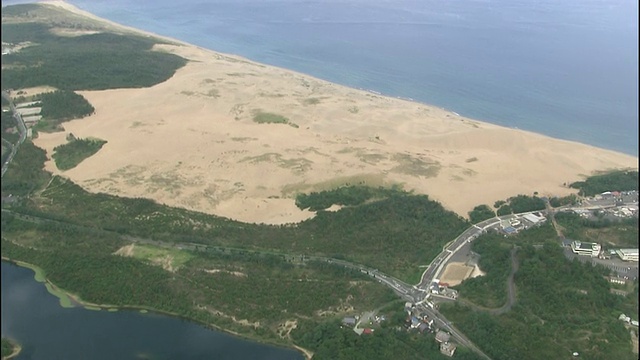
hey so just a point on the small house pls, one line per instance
(349, 321)
(442, 336)
(447, 349)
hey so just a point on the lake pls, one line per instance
(46, 331)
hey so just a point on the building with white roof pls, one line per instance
(586, 248)
(628, 254)
(534, 219)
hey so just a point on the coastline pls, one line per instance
(251, 172)
(17, 348)
(75, 300)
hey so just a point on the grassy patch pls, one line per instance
(296, 165)
(261, 117)
(311, 101)
(71, 154)
(173, 258)
(372, 180)
(413, 166)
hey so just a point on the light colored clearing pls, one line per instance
(68, 32)
(234, 273)
(169, 259)
(455, 273)
(243, 322)
(390, 140)
(334, 208)
(477, 272)
(125, 250)
(284, 329)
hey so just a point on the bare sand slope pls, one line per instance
(192, 142)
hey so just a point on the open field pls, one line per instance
(455, 273)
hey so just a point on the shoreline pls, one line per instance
(17, 348)
(77, 301)
(251, 172)
(79, 11)
(451, 108)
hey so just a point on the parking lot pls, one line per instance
(621, 268)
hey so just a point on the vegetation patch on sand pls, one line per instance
(371, 180)
(296, 165)
(261, 117)
(415, 166)
(63, 105)
(346, 196)
(72, 153)
(624, 180)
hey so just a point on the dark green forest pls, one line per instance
(517, 204)
(89, 62)
(562, 306)
(25, 174)
(481, 213)
(603, 230)
(63, 105)
(346, 196)
(612, 181)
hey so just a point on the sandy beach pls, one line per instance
(191, 142)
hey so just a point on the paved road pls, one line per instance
(417, 294)
(21, 128)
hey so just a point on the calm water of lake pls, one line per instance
(47, 331)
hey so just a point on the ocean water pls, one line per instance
(567, 69)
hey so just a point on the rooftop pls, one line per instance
(628, 251)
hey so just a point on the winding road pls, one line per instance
(511, 290)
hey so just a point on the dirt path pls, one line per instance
(551, 214)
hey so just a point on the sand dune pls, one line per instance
(192, 142)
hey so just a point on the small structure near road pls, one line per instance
(442, 337)
(534, 218)
(349, 321)
(448, 349)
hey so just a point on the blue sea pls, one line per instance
(567, 69)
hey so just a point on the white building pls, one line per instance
(586, 248)
(628, 254)
(534, 219)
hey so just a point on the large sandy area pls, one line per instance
(191, 142)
